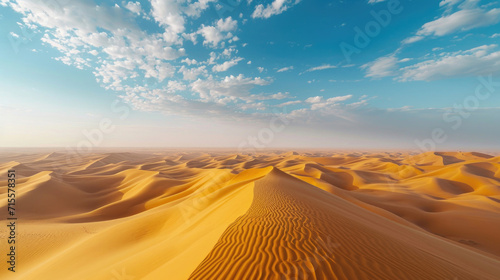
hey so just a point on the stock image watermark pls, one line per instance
(454, 117)
(11, 221)
(95, 137)
(201, 199)
(363, 36)
(265, 136)
(227, 6)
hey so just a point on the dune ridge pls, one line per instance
(294, 230)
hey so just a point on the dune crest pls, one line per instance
(295, 230)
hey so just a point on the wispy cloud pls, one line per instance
(319, 68)
(284, 69)
(226, 65)
(468, 16)
(477, 61)
(382, 67)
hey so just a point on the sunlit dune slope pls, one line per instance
(293, 229)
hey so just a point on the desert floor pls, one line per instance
(269, 215)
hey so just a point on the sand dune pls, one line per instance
(273, 215)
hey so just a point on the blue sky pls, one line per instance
(336, 74)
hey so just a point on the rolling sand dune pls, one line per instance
(274, 215)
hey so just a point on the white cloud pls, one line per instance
(213, 35)
(319, 103)
(276, 96)
(375, 1)
(189, 61)
(229, 52)
(168, 14)
(174, 86)
(382, 67)
(192, 73)
(496, 35)
(467, 16)
(117, 50)
(449, 2)
(231, 86)
(339, 98)
(194, 9)
(412, 39)
(253, 106)
(325, 111)
(288, 103)
(460, 21)
(226, 65)
(275, 8)
(171, 14)
(315, 99)
(279, 95)
(166, 101)
(134, 7)
(482, 60)
(322, 67)
(284, 69)
(261, 69)
(464, 4)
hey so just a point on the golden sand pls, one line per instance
(217, 215)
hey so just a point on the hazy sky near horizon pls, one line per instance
(250, 73)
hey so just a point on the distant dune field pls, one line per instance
(271, 215)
